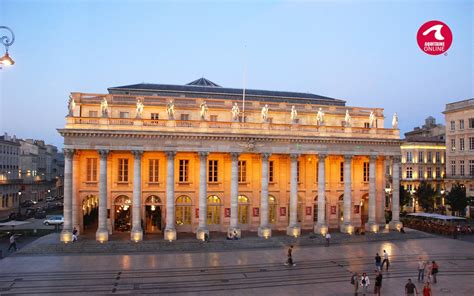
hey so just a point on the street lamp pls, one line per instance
(6, 60)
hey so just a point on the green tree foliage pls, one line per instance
(404, 197)
(457, 198)
(425, 194)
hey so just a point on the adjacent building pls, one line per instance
(161, 158)
(9, 177)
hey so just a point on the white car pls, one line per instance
(49, 198)
(55, 220)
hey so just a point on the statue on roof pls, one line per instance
(294, 114)
(235, 112)
(104, 107)
(170, 110)
(372, 119)
(139, 108)
(71, 105)
(395, 121)
(320, 117)
(347, 119)
(265, 113)
(204, 110)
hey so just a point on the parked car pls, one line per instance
(49, 198)
(30, 212)
(54, 220)
(40, 214)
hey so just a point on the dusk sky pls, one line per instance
(364, 52)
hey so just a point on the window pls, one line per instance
(183, 210)
(453, 168)
(430, 157)
(298, 171)
(429, 172)
(123, 170)
(438, 157)
(461, 168)
(270, 171)
(212, 177)
(409, 172)
(471, 168)
(453, 125)
(471, 143)
(471, 122)
(420, 156)
(154, 116)
(317, 171)
(438, 172)
(410, 187)
(183, 170)
(213, 210)
(243, 209)
(213, 118)
(272, 209)
(461, 124)
(366, 125)
(93, 114)
(453, 144)
(366, 172)
(242, 171)
(409, 156)
(153, 169)
(184, 116)
(91, 170)
(341, 172)
(124, 115)
(420, 173)
(461, 144)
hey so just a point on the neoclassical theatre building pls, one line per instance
(167, 159)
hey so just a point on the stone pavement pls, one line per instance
(120, 243)
(319, 270)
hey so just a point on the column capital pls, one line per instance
(397, 159)
(69, 153)
(373, 157)
(203, 155)
(265, 156)
(103, 153)
(322, 156)
(170, 154)
(234, 155)
(137, 154)
(348, 157)
(294, 156)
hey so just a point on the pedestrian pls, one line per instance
(289, 261)
(410, 289)
(378, 262)
(74, 234)
(364, 283)
(434, 271)
(355, 282)
(385, 259)
(378, 283)
(12, 243)
(427, 290)
(328, 239)
(421, 270)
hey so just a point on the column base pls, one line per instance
(320, 229)
(396, 225)
(347, 228)
(66, 236)
(265, 232)
(236, 230)
(201, 233)
(102, 235)
(293, 231)
(170, 235)
(109, 225)
(136, 235)
(372, 227)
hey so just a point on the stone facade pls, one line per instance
(145, 169)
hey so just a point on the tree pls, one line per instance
(404, 196)
(457, 198)
(425, 194)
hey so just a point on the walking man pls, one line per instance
(385, 259)
(378, 283)
(355, 282)
(12, 243)
(74, 234)
(364, 283)
(434, 271)
(410, 289)
(290, 257)
(378, 262)
(328, 239)
(421, 270)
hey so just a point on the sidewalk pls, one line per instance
(120, 243)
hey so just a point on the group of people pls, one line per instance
(232, 235)
(430, 270)
(410, 289)
(363, 282)
(440, 227)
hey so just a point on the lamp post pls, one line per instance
(6, 60)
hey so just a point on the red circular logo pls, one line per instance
(434, 37)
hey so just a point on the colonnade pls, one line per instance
(264, 229)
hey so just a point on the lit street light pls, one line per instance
(6, 60)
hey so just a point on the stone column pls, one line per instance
(321, 226)
(347, 225)
(170, 230)
(264, 230)
(76, 203)
(395, 223)
(234, 193)
(137, 231)
(372, 225)
(66, 233)
(202, 229)
(293, 229)
(102, 233)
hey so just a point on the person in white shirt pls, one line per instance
(385, 259)
(328, 239)
(364, 283)
(421, 270)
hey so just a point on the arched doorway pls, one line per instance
(214, 205)
(90, 212)
(243, 211)
(364, 209)
(122, 215)
(153, 207)
(340, 210)
(272, 209)
(183, 213)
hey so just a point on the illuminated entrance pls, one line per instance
(153, 223)
(122, 213)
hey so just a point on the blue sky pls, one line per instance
(364, 52)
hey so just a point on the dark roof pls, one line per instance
(205, 88)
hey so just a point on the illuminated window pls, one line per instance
(420, 156)
(91, 170)
(243, 209)
(366, 172)
(242, 171)
(430, 157)
(272, 209)
(183, 210)
(153, 170)
(453, 144)
(438, 157)
(409, 156)
(212, 171)
(271, 171)
(461, 144)
(154, 116)
(409, 173)
(123, 170)
(429, 172)
(183, 170)
(213, 210)
(438, 172)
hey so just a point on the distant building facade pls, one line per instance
(9, 177)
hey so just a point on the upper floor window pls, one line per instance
(420, 173)
(453, 125)
(461, 124)
(212, 171)
(91, 175)
(430, 157)
(183, 170)
(93, 114)
(471, 167)
(298, 171)
(184, 116)
(242, 171)
(341, 170)
(461, 144)
(366, 172)
(213, 118)
(461, 168)
(438, 157)
(124, 115)
(271, 171)
(429, 172)
(153, 170)
(471, 122)
(123, 170)
(471, 143)
(453, 168)
(154, 116)
(420, 156)
(409, 156)
(438, 172)
(366, 125)
(409, 172)
(453, 144)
